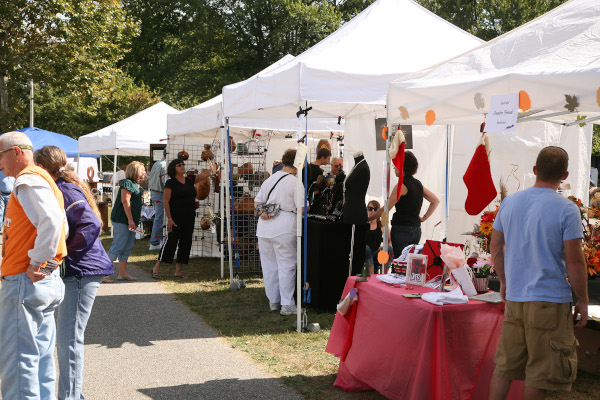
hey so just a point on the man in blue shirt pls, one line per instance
(6, 187)
(536, 246)
(156, 185)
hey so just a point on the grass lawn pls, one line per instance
(243, 318)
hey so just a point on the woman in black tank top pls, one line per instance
(374, 239)
(406, 222)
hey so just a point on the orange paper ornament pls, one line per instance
(430, 117)
(383, 257)
(384, 132)
(524, 101)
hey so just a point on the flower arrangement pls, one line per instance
(483, 230)
(482, 265)
(591, 236)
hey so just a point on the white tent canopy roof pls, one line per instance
(347, 73)
(552, 56)
(131, 136)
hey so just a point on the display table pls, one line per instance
(410, 349)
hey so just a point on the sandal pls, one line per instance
(126, 278)
(155, 275)
(107, 280)
(180, 276)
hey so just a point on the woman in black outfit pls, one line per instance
(406, 222)
(179, 199)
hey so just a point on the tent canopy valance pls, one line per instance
(550, 57)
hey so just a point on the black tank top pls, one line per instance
(409, 205)
(374, 238)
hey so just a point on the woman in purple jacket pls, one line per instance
(85, 265)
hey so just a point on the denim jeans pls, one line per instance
(27, 336)
(72, 317)
(371, 258)
(159, 213)
(403, 236)
(3, 202)
(123, 241)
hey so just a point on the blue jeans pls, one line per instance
(371, 258)
(159, 213)
(403, 236)
(3, 202)
(27, 336)
(72, 317)
(123, 241)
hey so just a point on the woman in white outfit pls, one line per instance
(277, 235)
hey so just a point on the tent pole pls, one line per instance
(78, 161)
(299, 202)
(449, 136)
(228, 204)
(112, 198)
(222, 201)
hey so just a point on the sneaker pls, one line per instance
(155, 246)
(275, 306)
(288, 310)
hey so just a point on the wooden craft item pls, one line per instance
(205, 222)
(232, 144)
(203, 188)
(245, 204)
(246, 170)
(207, 154)
(323, 143)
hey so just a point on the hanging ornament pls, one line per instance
(524, 101)
(580, 118)
(323, 143)
(384, 132)
(479, 102)
(403, 113)
(183, 155)
(430, 117)
(397, 155)
(572, 102)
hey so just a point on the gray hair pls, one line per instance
(15, 138)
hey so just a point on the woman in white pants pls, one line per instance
(277, 236)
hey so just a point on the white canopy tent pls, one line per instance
(129, 137)
(346, 74)
(550, 57)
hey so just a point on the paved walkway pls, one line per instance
(143, 344)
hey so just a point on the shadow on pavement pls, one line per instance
(141, 319)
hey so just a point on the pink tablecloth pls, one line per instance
(410, 349)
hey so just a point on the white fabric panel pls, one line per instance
(509, 151)
(549, 57)
(348, 72)
(430, 149)
(85, 162)
(131, 136)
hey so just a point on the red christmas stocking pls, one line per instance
(480, 185)
(397, 154)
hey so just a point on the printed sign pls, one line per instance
(502, 116)
(301, 151)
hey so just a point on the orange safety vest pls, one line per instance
(19, 234)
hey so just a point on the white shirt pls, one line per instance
(283, 194)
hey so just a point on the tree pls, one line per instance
(488, 19)
(71, 46)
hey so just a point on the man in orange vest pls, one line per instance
(34, 245)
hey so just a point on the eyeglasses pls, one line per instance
(21, 146)
(180, 165)
(372, 208)
(337, 165)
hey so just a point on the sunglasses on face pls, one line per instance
(372, 208)
(180, 165)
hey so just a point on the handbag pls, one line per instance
(272, 210)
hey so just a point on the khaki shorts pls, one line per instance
(538, 345)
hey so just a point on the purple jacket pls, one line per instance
(86, 256)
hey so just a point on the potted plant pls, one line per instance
(483, 270)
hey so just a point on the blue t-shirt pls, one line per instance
(535, 223)
(6, 183)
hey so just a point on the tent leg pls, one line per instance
(113, 197)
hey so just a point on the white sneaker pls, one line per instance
(288, 310)
(155, 246)
(275, 306)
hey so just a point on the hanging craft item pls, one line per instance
(217, 181)
(205, 222)
(430, 117)
(323, 143)
(384, 132)
(478, 179)
(479, 102)
(183, 155)
(203, 188)
(403, 113)
(572, 103)
(524, 101)
(246, 171)
(232, 145)
(397, 155)
(245, 204)
(207, 154)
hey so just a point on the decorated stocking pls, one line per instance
(478, 179)
(397, 156)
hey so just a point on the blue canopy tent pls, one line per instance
(40, 138)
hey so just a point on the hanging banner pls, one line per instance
(503, 113)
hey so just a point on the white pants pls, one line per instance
(278, 259)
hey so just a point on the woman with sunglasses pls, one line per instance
(374, 239)
(406, 221)
(179, 200)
